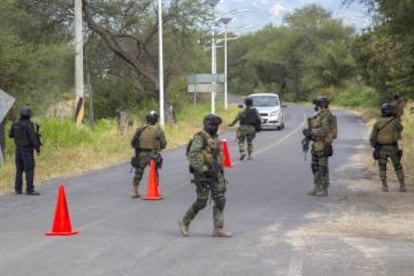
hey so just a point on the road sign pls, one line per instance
(202, 83)
(6, 102)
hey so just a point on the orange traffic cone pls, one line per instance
(152, 190)
(227, 160)
(61, 223)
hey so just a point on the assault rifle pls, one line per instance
(305, 141)
(214, 169)
(37, 133)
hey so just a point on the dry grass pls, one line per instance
(107, 149)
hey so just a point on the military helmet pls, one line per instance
(212, 119)
(211, 123)
(152, 117)
(396, 96)
(248, 101)
(321, 101)
(26, 112)
(386, 110)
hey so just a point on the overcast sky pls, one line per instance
(263, 12)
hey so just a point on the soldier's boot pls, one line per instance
(220, 233)
(242, 156)
(384, 186)
(322, 192)
(135, 193)
(313, 191)
(183, 229)
(402, 183)
(249, 155)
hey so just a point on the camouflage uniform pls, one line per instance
(384, 138)
(247, 130)
(151, 142)
(319, 133)
(205, 154)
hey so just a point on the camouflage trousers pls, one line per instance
(320, 169)
(246, 133)
(207, 187)
(390, 152)
(144, 158)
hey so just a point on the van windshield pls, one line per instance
(265, 101)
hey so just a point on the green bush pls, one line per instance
(357, 96)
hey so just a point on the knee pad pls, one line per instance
(383, 166)
(220, 202)
(200, 204)
(314, 168)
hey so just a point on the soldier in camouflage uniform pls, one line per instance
(384, 139)
(27, 139)
(206, 164)
(148, 141)
(318, 132)
(250, 123)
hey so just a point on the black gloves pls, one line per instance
(307, 133)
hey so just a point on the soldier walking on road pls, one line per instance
(322, 131)
(384, 139)
(250, 123)
(206, 165)
(148, 141)
(27, 139)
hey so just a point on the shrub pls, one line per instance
(357, 96)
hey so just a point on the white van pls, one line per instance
(270, 109)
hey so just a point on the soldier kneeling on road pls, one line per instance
(206, 164)
(384, 139)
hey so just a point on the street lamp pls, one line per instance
(213, 4)
(161, 65)
(225, 21)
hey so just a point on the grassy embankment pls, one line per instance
(69, 151)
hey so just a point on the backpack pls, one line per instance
(333, 131)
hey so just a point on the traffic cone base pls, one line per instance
(152, 190)
(61, 222)
(227, 160)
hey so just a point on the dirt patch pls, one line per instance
(364, 211)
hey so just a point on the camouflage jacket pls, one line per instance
(202, 153)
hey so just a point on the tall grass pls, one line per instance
(407, 144)
(69, 150)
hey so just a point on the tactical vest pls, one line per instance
(20, 134)
(150, 138)
(249, 117)
(386, 134)
(210, 145)
(332, 133)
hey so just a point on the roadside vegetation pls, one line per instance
(311, 54)
(68, 151)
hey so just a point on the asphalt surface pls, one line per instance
(266, 208)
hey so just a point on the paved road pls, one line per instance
(266, 208)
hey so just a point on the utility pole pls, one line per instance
(161, 65)
(79, 86)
